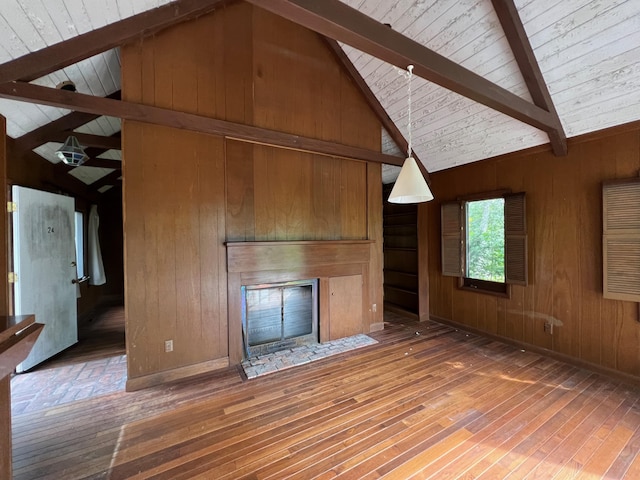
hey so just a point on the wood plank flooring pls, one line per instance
(427, 401)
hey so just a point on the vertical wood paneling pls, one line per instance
(565, 253)
(376, 260)
(590, 241)
(240, 197)
(187, 193)
(539, 187)
(175, 256)
(325, 200)
(353, 200)
(5, 391)
(626, 153)
(566, 264)
(213, 330)
(237, 96)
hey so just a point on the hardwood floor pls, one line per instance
(427, 401)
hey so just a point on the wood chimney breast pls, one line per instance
(341, 262)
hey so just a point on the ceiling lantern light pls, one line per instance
(410, 186)
(71, 152)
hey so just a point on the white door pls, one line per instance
(44, 260)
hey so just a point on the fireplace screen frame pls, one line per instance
(283, 342)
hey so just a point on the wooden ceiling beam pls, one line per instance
(530, 69)
(50, 59)
(374, 104)
(338, 21)
(89, 140)
(43, 134)
(60, 180)
(27, 92)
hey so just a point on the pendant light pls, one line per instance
(71, 152)
(410, 186)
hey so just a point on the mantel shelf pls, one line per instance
(17, 337)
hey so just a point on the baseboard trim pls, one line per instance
(180, 373)
(376, 327)
(606, 371)
(390, 307)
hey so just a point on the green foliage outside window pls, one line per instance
(485, 240)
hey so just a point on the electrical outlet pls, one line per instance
(548, 328)
(168, 346)
(375, 308)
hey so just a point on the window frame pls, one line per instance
(449, 238)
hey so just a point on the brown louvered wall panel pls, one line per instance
(515, 228)
(621, 239)
(451, 225)
(621, 203)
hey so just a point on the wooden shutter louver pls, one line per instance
(515, 239)
(451, 241)
(621, 240)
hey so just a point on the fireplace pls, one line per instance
(276, 316)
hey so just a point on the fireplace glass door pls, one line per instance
(279, 316)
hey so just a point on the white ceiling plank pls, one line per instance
(11, 41)
(89, 175)
(587, 51)
(48, 151)
(111, 155)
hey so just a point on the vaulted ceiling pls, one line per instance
(563, 68)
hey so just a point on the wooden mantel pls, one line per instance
(251, 263)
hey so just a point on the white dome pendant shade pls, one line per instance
(410, 186)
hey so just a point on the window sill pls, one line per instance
(502, 290)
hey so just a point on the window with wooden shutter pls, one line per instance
(621, 239)
(451, 241)
(515, 239)
(484, 241)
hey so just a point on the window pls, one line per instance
(621, 239)
(484, 241)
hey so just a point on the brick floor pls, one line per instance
(291, 357)
(33, 391)
(96, 365)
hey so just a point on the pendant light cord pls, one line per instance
(409, 75)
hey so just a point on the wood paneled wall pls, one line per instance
(5, 388)
(564, 217)
(186, 193)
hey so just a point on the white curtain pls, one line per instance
(96, 268)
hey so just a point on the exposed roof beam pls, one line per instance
(42, 62)
(526, 59)
(336, 20)
(374, 103)
(88, 140)
(43, 134)
(60, 178)
(27, 92)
